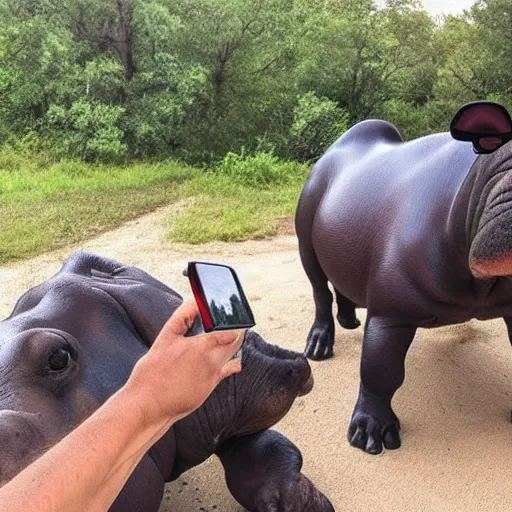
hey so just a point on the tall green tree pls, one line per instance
(363, 56)
(244, 49)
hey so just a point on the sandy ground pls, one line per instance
(454, 407)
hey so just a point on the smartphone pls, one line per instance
(220, 297)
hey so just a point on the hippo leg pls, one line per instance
(346, 312)
(320, 340)
(263, 475)
(373, 422)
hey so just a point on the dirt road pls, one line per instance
(454, 407)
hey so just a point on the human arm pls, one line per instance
(113, 440)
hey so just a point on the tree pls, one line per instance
(244, 49)
(196, 79)
(363, 56)
(65, 63)
(494, 19)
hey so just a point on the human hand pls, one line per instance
(178, 373)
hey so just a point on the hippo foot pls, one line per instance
(374, 426)
(263, 473)
(348, 322)
(320, 342)
(296, 495)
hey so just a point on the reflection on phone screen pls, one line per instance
(227, 305)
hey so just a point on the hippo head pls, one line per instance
(72, 341)
(488, 187)
(40, 396)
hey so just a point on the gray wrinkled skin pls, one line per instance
(402, 229)
(71, 342)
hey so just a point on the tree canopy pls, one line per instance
(195, 79)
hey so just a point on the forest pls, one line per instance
(110, 109)
(191, 80)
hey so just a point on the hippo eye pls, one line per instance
(59, 360)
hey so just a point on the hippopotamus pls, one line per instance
(416, 232)
(72, 341)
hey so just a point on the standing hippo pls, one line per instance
(416, 232)
(73, 341)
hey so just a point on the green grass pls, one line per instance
(231, 212)
(45, 206)
(69, 202)
(244, 197)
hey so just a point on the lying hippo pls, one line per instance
(416, 232)
(71, 342)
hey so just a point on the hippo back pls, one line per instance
(371, 182)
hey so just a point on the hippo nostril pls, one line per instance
(293, 367)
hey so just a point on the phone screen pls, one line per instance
(224, 297)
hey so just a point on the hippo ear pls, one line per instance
(484, 123)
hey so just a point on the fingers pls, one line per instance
(221, 354)
(182, 319)
(222, 345)
(226, 337)
(230, 368)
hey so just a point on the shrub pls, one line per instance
(23, 154)
(259, 170)
(415, 121)
(12, 161)
(86, 130)
(317, 123)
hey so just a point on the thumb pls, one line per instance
(181, 320)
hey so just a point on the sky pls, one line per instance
(444, 6)
(447, 6)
